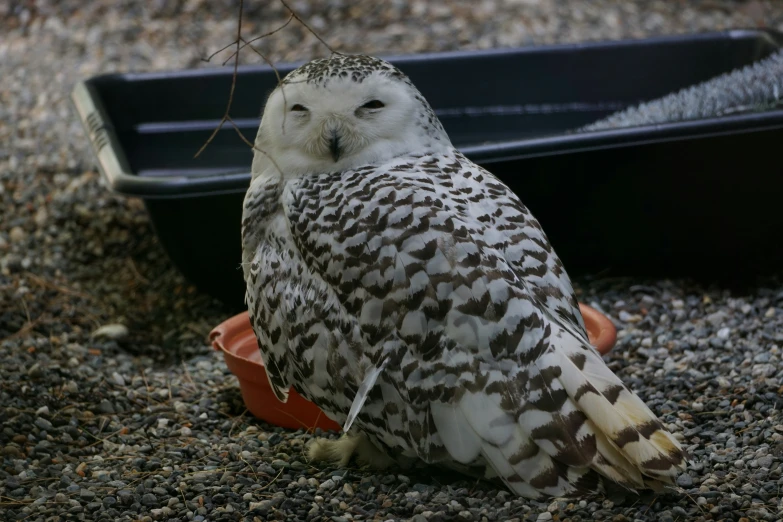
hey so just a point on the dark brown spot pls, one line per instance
(612, 393)
(585, 388)
(579, 360)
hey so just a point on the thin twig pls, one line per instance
(99, 440)
(249, 466)
(189, 377)
(136, 272)
(250, 42)
(241, 43)
(209, 58)
(298, 19)
(40, 281)
(236, 128)
(146, 386)
(233, 83)
(265, 58)
(694, 502)
(280, 474)
(651, 505)
(279, 82)
(26, 309)
(26, 328)
(234, 423)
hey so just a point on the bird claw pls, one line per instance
(342, 450)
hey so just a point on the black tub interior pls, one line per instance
(161, 121)
(699, 202)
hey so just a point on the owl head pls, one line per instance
(344, 112)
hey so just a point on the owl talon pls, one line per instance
(342, 450)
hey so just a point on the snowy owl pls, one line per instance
(409, 294)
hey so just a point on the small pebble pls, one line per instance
(118, 379)
(17, 234)
(685, 480)
(111, 331)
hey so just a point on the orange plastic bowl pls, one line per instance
(235, 338)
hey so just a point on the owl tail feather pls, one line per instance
(629, 436)
(576, 427)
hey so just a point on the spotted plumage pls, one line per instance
(410, 294)
(355, 68)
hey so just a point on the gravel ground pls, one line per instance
(143, 421)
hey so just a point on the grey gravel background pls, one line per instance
(147, 424)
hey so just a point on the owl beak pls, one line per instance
(334, 146)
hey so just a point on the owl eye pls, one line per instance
(373, 104)
(299, 108)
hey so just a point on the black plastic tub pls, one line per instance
(696, 199)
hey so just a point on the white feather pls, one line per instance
(456, 433)
(370, 377)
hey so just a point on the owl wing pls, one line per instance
(297, 320)
(476, 364)
(512, 229)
